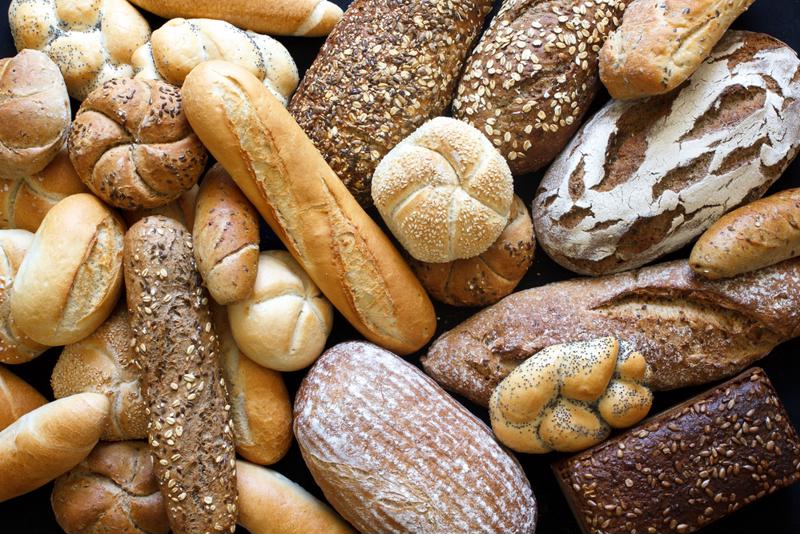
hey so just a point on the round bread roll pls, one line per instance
(132, 145)
(284, 324)
(17, 398)
(34, 114)
(112, 491)
(104, 363)
(90, 41)
(444, 191)
(487, 278)
(71, 277)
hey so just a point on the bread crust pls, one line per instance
(17, 398)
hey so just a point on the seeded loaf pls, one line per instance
(386, 68)
(644, 178)
(688, 466)
(689, 329)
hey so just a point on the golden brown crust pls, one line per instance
(17, 398)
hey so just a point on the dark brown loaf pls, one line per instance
(690, 330)
(688, 466)
(387, 67)
(534, 74)
(190, 427)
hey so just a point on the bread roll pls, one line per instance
(326, 231)
(309, 18)
(71, 278)
(487, 278)
(190, 421)
(34, 117)
(181, 209)
(49, 441)
(91, 42)
(16, 398)
(132, 145)
(180, 45)
(270, 502)
(225, 238)
(104, 363)
(284, 323)
(444, 191)
(15, 345)
(26, 199)
(113, 491)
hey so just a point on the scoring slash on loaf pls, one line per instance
(566, 397)
(180, 45)
(17, 398)
(91, 42)
(444, 192)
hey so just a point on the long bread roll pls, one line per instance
(276, 165)
(17, 397)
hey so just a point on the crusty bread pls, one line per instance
(181, 209)
(225, 236)
(394, 453)
(285, 177)
(180, 45)
(659, 45)
(49, 441)
(752, 237)
(90, 42)
(71, 277)
(190, 420)
(17, 397)
(113, 491)
(104, 363)
(284, 323)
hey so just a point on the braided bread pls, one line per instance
(566, 396)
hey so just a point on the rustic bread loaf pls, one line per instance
(132, 145)
(533, 75)
(387, 67)
(444, 191)
(91, 42)
(754, 236)
(394, 453)
(659, 45)
(486, 278)
(190, 421)
(567, 397)
(688, 466)
(689, 329)
(644, 178)
(17, 398)
(180, 45)
(112, 491)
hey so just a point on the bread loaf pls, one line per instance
(71, 277)
(690, 330)
(17, 398)
(394, 453)
(49, 441)
(113, 491)
(659, 45)
(387, 67)
(90, 42)
(285, 177)
(190, 421)
(104, 363)
(644, 178)
(34, 116)
(225, 238)
(180, 45)
(752, 237)
(533, 76)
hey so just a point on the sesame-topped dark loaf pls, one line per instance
(534, 74)
(387, 67)
(688, 466)
(190, 429)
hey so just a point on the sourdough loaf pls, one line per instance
(644, 178)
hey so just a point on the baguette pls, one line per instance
(690, 330)
(277, 167)
(17, 398)
(190, 420)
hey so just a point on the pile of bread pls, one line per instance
(130, 236)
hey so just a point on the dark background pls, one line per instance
(779, 512)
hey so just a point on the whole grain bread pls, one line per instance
(689, 329)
